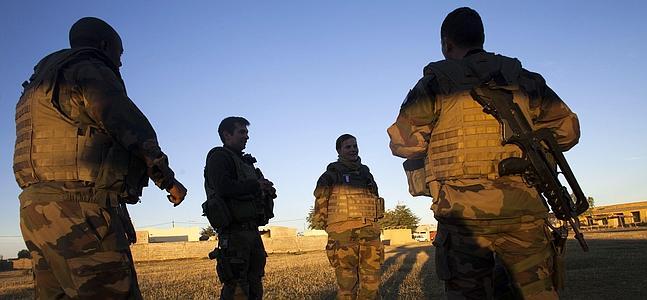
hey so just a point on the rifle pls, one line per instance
(541, 152)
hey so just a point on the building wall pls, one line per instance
(397, 236)
(192, 233)
(279, 231)
(142, 237)
(612, 216)
(315, 232)
(21, 264)
(181, 250)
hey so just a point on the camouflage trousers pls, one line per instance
(477, 262)
(79, 251)
(240, 264)
(357, 255)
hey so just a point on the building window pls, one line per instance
(636, 215)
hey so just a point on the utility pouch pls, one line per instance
(331, 252)
(224, 268)
(416, 177)
(379, 203)
(441, 241)
(559, 259)
(217, 212)
(126, 222)
(123, 173)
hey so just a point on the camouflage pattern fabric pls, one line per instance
(491, 215)
(353, 175)
(357, 255)
(79, 251)
(240, 264)
(466, 257)
(79, 247)
(93, 95)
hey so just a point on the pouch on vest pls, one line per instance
(379, 211)
(558, 242)
(123, 173)
(217, 212)
(416, 177)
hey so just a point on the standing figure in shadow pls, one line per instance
(484, 218)
(347, 205)
(83, 151)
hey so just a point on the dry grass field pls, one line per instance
(613, 269)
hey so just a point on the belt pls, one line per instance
(251, 225)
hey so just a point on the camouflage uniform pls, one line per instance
(240, 255)
(347, 203)
(480, 214)
(83, 149)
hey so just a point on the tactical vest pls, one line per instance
(249, 207)
(465, 141)
(351, 198)
(50, 145)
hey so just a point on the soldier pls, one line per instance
(484, 219)
(83, 150)
(348, 206)
(239, 199)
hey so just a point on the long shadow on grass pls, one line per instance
(391, 286)
(428, 271)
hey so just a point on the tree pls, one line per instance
(208, 232)
(399, 217)
(312, 223)
(591, 204)
(24, 253)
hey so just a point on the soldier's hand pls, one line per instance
(177, 192)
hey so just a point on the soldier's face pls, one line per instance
(238, 138)
(114, 50)
(349, 150)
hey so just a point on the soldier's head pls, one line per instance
(95, 33)
(461, 31)
(233, 132)
(346, 145)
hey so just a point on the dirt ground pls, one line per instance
(613, 269)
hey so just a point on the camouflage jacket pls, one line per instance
(461, 200)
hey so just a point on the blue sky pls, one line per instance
(304, 72)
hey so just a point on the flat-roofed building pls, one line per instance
(616, 215)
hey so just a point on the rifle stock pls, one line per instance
(540, 150)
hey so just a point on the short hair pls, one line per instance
(341, 139)
(90, 31)
(229, 124)
(464, 27)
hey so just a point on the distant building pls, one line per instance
(425, 232)
(164, 235)
(21, 264)
(142, 237)
(277, 231)
(396, 236)
(614, 216)
(315, 232)
(15, 264)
